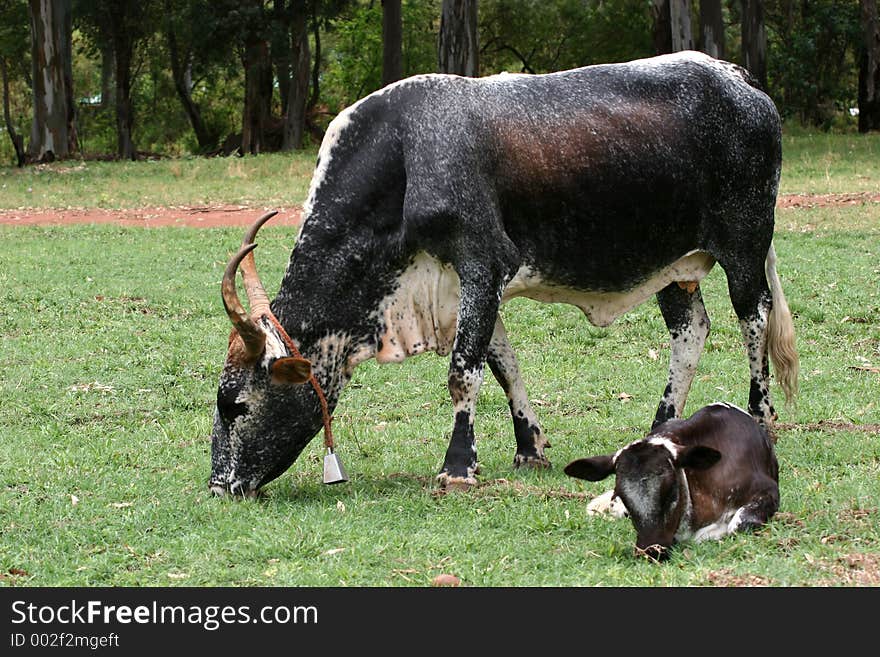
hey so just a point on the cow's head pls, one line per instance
(651, 483)
(265, 416)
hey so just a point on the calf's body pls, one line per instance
(705, 477)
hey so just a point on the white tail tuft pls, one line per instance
(780, 334)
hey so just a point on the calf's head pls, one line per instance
(264, 415)
(651, 483)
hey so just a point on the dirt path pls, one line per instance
(240, 215)
(197, 217)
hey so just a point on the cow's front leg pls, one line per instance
(530, 440)
(478, 308)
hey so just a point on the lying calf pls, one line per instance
(701, 478)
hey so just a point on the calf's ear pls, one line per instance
(594, 468)
(291, 370)
(698, 457)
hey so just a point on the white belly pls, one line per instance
(422, 314)
(602, 308)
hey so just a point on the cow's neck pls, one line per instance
(333, 283)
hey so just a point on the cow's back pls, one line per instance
(602, 174)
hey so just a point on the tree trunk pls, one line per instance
(869, 68)
(280, 49)
(17, 141)
(680, 20)
(258, 96)
(295, 119)
(123, 49)
(124, 110)
(662, 26)
(712, 28)
(53, 132)
(754, 40)
(315, 92)
(457, 46)
(392, 41)
(181, 72)
(672, 26)
(108, 70)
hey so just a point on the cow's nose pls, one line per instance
(218, 490)
(236, 488)
(654, 552)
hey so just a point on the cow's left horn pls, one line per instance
(251, 333)
(256, 293)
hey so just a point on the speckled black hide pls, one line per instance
(582, 186)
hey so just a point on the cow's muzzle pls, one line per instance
(235, 489)
(654, 552)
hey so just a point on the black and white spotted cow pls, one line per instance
(438, 198)
(701, 478)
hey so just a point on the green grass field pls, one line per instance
(113, 339)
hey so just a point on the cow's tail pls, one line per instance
(780, 334)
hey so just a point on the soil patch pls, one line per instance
(826, 200)
(196, 217)
(241, 215)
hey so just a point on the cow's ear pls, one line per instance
(291, 370)
(594, 468)
(697, 457)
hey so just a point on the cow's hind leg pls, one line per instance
(530, 440)
(752, 303)
(688, 324)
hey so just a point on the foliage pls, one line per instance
(813, 59)
(812, 68)
(353, 67)
(539, 37)
(16, 54)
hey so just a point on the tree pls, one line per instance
(813, 58)
(257, 77)
(14, 46)
(458, 49)
(712, 28)
(127, 23)
(534, 36)
(125, 26)
(754, 40)
(292, 30)
(869, 68)
(181, 61)
(672, 26)
(392, 41)
(53, 132)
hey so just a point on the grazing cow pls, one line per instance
(438, 198)
(701, 478)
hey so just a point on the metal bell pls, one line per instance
(334, 473)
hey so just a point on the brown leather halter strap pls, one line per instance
(325, 409)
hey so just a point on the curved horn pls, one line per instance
(251, 234)
(253, 336)
(256, 293)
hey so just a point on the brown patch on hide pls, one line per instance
(689, 286)
(548, 153)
